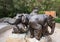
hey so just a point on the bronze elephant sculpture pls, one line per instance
(20, 28)
(44, 21)
(39, 22)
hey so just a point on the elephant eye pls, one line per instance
(19, 16)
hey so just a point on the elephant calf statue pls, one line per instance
(19, 26)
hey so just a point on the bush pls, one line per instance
(40, 12)
(57, 20)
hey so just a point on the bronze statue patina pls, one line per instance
(44, 21)
(20, 28)
(39, 22)
(37, 25)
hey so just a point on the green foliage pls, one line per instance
(41, 12)
(6, 7)
(57, 6)
(57, 20)
(9, 8)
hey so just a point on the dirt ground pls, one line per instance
(52, 38)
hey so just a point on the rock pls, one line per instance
(32, 40)
(4, 19)
(24, 38)
(16, 38)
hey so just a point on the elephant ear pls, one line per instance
(51, 17)
(23, 19)
(50, 20)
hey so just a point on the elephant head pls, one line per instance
(51, 23)
(25, 19)
(17, 20)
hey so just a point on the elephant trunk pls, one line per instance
(52, 29)
(10, 23)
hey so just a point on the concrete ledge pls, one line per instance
(24, 38)
(4, 27)
(58, 25)
(16, 38)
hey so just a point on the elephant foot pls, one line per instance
(31, 36)
(15, 32)
(47, 34)
(38, 38)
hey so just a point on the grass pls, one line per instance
(57, 20)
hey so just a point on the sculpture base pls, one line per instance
(16, 38)
(24, 38)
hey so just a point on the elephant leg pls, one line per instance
(45, 29)
(38, 32)
(15, 30)
(52, 29)
(46, 32)
(31, 32)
